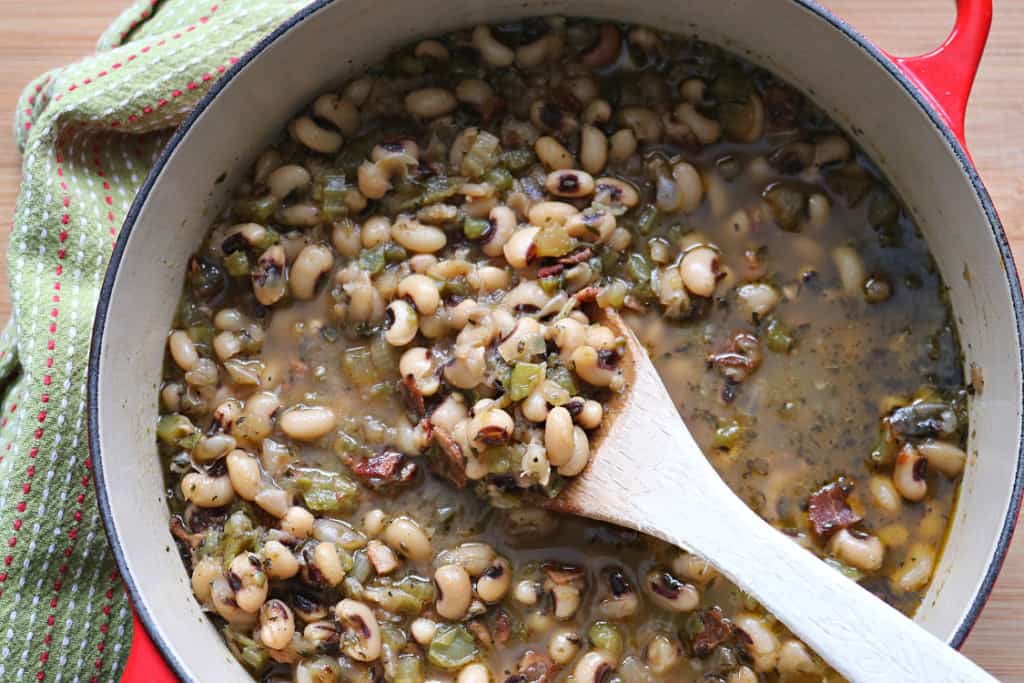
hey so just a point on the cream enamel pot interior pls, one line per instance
(898, 124)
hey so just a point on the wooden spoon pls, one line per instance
(648, 474)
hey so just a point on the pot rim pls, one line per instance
(842, 27)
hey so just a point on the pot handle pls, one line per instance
(945, 75)
(145, 663)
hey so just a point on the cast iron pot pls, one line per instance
(907, 113)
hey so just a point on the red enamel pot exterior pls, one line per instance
(943, 78)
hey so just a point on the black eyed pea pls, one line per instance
(362, 639)
(279, 560)
(707, 131)
(472, 556)
(489, 427)
(621, 145)
(580, 454)
(310, 265)
(429, 103)
(322, 669)
(327, 562)
(494, 582)
(550, 214)
(693, 567)
(535, 406)
(223, 598)
(244, 473)
(454, 592)
(346, 238)
(908, 475)
(590, 415)
(492, 51)
(593, 667)
(317, 138)
(277, 624)
(615, 193)
(622, 603)
(916, 571)
(568, 334)
(423, 292)
(690, 186)
(620, 239)
(183, 351)
(758, 299)
(566, 598)
(204, 374)
(884, 494)
(551, 116)
(339, 111)
(857, 550)
(308, 423)
(269, 277)
(819, 208)
(171, 394)
(417, 237)
(692, 90)
(226, 345)
(601, 338)
(212, 448)
(287, 179)
(408, 539)
(473, 673)
(830, 149)
(525, 593)
(419, 366)
(207, 491)
(521, 247)
(763, 644)
(374, 522)
(266, 163)
(597, 111)
(558, 436)
(423, 630)
(668, 592)
(487, 279)
(298, 522)
(744, 674)
(553, 153)
(563, 646)
(273, 500)
(593, 149)
(794, 660)
(587, 363)
(503, 224)
(644, 123)
(205, 572)
(258, 416)
(249, 581)
(852, 272)
(451, 411)
(359, 90)
(570, 183)
(373, 181)
(376, 230)
(516, 345)
(474, 92)
(400, 323)
(699, 269)
(943, 456)
(468, 369)
(662, 653)
(544, 49)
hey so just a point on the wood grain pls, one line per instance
(43, 34)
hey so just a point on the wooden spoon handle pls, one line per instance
(862, 637)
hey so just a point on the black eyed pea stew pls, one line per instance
(388, 352)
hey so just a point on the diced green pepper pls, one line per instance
(606, 637)
(562, 376)
(728, 435)
(237, 264)
(778, 336)
(251, 653)
(475, 228)
(501, 179)
(409, 669)
(482, 155)
(613, 294)
(645, 221)
(257, 209)
(326, 491)
(517, 159)
(638, 268)
(373, 260)
(554, 241)
(358, 366)
(552, 283)
(175, 429)
(523, 380)
(452, 648)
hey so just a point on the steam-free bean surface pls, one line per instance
(47, 33)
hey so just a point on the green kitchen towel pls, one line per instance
(89, 133)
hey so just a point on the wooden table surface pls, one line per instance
(42, 34)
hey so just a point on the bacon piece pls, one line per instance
(388, 467)
(578, 256)
(550, 271)
(412, 396)
(502, 626)
(715, 632)
(455, 460)
(563, 574)
(535, 667)
(828, 509)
